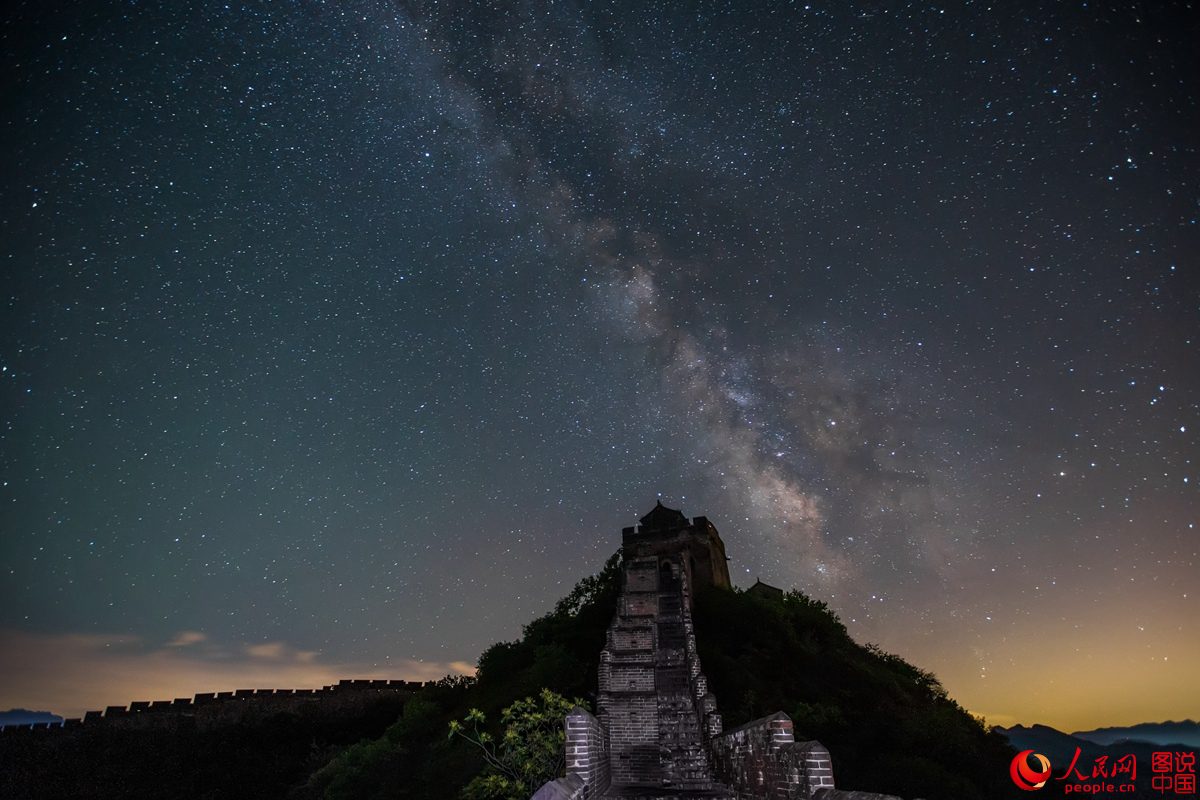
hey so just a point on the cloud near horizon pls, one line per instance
(185, 638)
(71, 673)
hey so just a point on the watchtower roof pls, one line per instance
(663, 518)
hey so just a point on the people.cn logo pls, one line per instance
(1024, 776)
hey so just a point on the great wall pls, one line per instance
(211, 710)
(260, 743)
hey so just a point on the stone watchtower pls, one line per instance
(696, 545)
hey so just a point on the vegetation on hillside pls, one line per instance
(411, 759)
(889, 726)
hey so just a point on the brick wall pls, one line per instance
(762, 760)
(632, 725)
(811, 763)
(639, 604)
(587, 761)
(587, 752)
(633, 639)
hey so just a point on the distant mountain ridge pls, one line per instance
(1059, 746)
(23, 716)
(1060, 749)
(1185, 732)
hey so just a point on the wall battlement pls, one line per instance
(213, 709)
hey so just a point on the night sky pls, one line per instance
(340, 339)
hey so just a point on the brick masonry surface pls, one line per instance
(762, 759)
(654, 701)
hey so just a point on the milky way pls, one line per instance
(342, 339)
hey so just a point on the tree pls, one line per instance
(529, 752)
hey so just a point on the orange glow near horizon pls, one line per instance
(1069, 683)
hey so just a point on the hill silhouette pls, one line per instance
(23, 716)
(890, 726)
(1185, 732)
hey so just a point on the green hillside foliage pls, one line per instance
(889, 725)
(531, 751)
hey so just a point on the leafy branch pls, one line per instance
(529, 752)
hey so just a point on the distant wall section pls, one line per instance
(216, 709)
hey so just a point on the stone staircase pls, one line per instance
(653, 699)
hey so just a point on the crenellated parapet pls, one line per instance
(215, 709)
(762, 759)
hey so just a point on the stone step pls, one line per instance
(711, 791)
(630, 658)
(672, 641)
(679, 735)
(647, 655)
(688, 758)
(708, 794)
(639, 633)
(673, 681)
(677, 728)
(681, 706)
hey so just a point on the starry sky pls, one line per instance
(340, 339)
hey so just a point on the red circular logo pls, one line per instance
(1024, 776)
